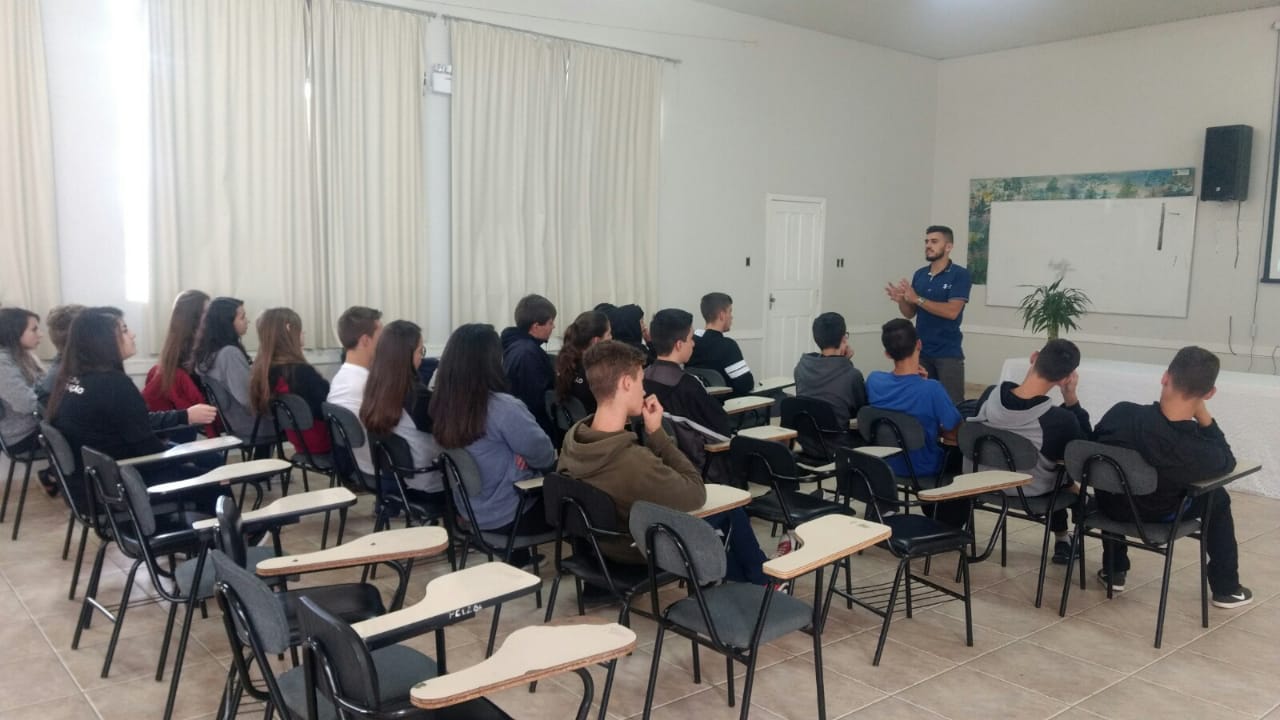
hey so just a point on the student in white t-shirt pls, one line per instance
(358, 331)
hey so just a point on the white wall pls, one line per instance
(755, 107)
(1125, 101)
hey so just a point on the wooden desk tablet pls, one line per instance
(450, 598)
(718, 390)
(291, 506)
(195, 447)
(880, 451)
(721, 498)
(775, 384)
(824, 541)
(746, 403)
(533, 483)
(1242, 468)
(976, 483)
(759, 432)
(528, 654)
(385, 546)
(225, 475)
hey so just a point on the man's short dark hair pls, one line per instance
(713, 304)
(943, 229)
(356, 322)
(899, 338)
(829, 330)
(534, 310)
(606, 363)
(1194, 371)
(1057, 359)
(669, 327)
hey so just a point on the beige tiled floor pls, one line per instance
(1024, 663)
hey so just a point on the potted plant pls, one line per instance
(1052, 308)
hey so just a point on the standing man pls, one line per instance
(936, 297)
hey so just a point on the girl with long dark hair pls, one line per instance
(171, 383)
(19, 373)
(282, 368)
(396, 402)
(586, 330)
(472, 409)
(220, 356)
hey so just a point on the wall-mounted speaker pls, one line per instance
(1226, 163)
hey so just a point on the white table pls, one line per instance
(1247, 406)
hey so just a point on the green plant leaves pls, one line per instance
(1052, 308)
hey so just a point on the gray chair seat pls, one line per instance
(1037, 504)
(736, 608)
(499, 540)
(399, 668)
(187, 569)
(1155, 530)
(320, 461)
(922, 535)
(803, 507)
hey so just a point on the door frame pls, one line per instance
(770, 198)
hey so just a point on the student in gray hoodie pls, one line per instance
(829, 374)
(1026, 410)
(601, 450)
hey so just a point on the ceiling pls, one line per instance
(944, 29)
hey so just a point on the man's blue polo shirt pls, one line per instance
(941, 337)
(926, 401)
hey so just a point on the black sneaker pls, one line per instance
(1117, 582)
(1061, 552)
(1241, 597)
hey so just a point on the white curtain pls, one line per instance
(367, 82)
(507, 109)
(28, 229)
(609, 183)
(555, 173)
(232, 168)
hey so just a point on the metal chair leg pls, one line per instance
(119, 619)
(66, 541)
(22, 501)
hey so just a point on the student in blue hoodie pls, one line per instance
(528, 368)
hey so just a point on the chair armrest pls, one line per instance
(225, 475)
(880, 451)
(533, 483)
(824, 541)
(1242, 468)
(291, 507)
(977, 483)
(528, 654)
(448, 599)
(195, 447)
(385, 546)
(721, 498)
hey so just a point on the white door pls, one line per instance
(793, 279)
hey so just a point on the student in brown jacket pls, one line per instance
(602, 451)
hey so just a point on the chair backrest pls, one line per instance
(75, 490)
(564, 412)
(345, 661)
(814, 422)
(391, 453)
(291, 412)
(263, 611)
(584, 507)
(678, 543)
(993, 447)
(709, 377)
(764, 462)
(124, 499)
(219, 396)
(1110, 469)
(231, 531)
(344, 427)
(868, 479)
(890, 428)
(462, 478)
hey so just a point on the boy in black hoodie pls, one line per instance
(681, 393)
(829, 374)
(528, 367)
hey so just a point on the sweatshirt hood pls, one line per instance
(1005, 410)
(815, 370)
(514, 335)
(587, 452)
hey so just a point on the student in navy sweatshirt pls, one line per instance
(524, 360)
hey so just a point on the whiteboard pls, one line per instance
(1131, 257)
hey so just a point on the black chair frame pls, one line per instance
(29, 459)
(80, 504)
(288, 413)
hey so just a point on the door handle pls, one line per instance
(772, 299)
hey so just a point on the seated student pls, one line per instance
(525, 362)
(358, 331)
(629, 327)
(170, 383)
(603, 451)
(472, 410)
(828, 374)
(58, 322)
(571, 377)
(714, 351)
(282, 368)
(1027, 411)
(19, 373)
(681, 393)
(95, 404)
(1180, 439)
(396, 401)
(220, 356)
